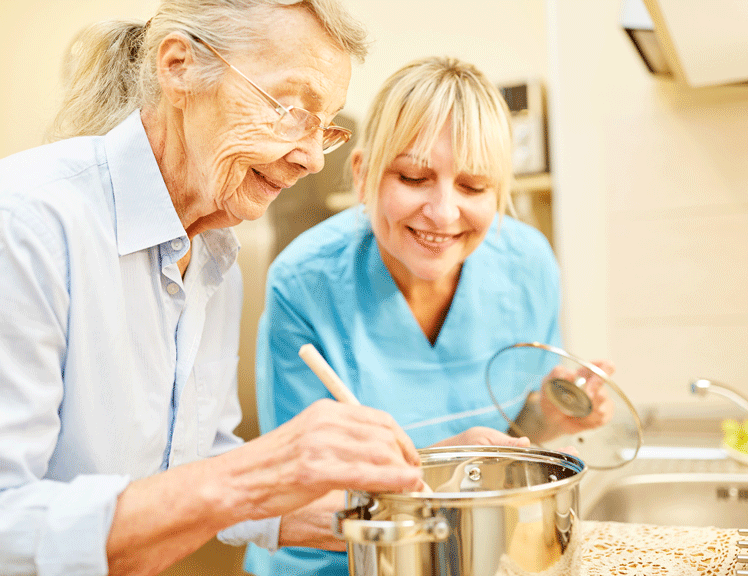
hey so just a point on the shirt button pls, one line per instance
(176, 244)
(172, 288)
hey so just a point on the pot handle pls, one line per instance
(348, 526)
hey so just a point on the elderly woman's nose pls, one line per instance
(442, 206)
(308, 153)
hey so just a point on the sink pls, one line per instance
(676, 500)
(671, 486)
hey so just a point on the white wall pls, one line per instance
(651, 200)
(504, 38)
(33, 37)
(650, 178)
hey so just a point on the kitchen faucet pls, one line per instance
(702, 387)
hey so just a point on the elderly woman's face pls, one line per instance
(429, 219)
(236, 160)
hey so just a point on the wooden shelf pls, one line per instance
(532, 200)
(531, 183)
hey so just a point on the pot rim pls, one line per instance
(568, 461)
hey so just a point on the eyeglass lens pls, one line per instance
(293, 122)
(298, 122)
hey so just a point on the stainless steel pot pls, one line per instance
(515, 512)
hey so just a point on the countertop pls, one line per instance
(615, 548)
(627, 549)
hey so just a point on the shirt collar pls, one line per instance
(144, 213)
(223, 246)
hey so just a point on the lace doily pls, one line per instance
(614, 548)
(623, 549)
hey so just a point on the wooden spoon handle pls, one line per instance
(311, 356)
(324, 372)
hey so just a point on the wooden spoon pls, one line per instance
(311, 356)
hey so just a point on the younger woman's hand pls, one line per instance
(483, 436)
(602, 405)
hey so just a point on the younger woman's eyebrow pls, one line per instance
(413, 158)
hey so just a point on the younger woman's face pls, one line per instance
(428, 218)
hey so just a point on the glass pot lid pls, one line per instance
(568, 389)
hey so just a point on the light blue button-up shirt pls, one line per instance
(112, 366)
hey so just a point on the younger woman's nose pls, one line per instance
(442, 206)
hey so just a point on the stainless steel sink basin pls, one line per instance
(671, 486)
(676, 499)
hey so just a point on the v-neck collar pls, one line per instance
(386, 290)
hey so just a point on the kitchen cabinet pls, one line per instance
(695, 43)
(533, 201)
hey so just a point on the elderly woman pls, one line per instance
(408, 298)
(121, 294)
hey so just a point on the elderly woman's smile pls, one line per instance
(238, 160)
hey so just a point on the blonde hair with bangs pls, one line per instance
(410, 110)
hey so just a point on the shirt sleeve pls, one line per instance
(553, 302)
(285, 385)
(264, 533)
(546, 288)
(52, 528)
(47, 527)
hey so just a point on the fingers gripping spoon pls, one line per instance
(311, 356)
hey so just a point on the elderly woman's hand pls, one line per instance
(311, 525)
(483, 436)
(328, 446)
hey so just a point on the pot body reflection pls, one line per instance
(512, 511)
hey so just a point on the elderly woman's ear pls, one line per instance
(175, 57)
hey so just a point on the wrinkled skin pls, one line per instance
(222, 164)
(311, 524)
(220, 157)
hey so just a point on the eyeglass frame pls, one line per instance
(279, 108)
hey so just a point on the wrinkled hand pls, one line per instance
(483, 436)
(311, 525)
(328, 446)
(602, 406)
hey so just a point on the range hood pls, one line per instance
(697, 42)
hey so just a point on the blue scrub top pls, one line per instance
(330, 287)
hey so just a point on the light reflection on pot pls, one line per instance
(516, 512)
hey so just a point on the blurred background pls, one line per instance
(639, 180)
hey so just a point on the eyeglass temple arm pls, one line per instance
(279, 108)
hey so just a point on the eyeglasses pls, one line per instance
(293, 123)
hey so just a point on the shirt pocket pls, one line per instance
(213, 382)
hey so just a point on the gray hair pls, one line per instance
(110, 68)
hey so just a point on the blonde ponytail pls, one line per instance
(101, 78)
(112, 66)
